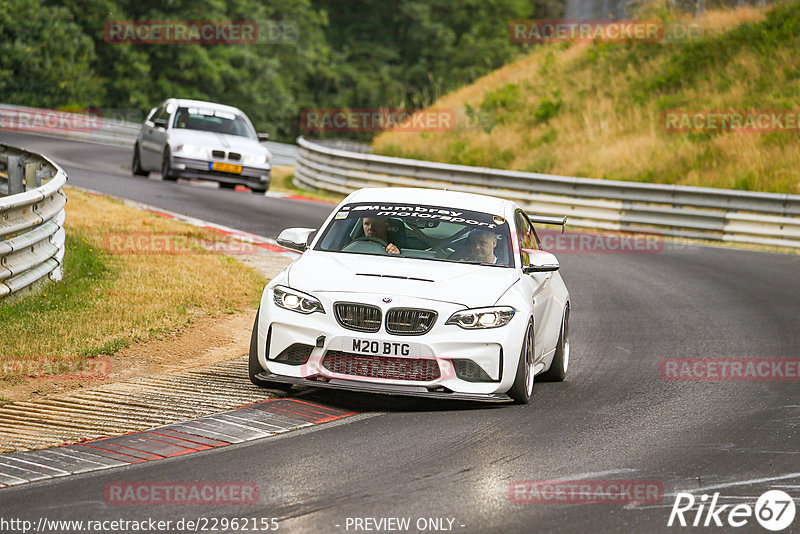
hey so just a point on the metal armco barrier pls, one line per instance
(97, 129)
(84, 127)
(670, 210)
(31, 219)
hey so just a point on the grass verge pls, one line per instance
(112, 296)
(597, 109)
(282, 181)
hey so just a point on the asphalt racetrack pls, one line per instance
(449, 466)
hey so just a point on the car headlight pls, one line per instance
(257, 159)
(482, 317)
(294, 300)
(187, 148)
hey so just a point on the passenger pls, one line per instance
(379, 227)
(227, 127)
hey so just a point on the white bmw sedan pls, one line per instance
(416, 292)
(196, 139)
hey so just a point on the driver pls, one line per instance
(378, 227)
(481, 245)
(182, 119)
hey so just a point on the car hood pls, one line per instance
(213, 140)
(468, 285)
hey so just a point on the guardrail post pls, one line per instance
(42, 173)
(31, 176)
(15, 175)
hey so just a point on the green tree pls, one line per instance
(45, 58)
(409, 53)
(358, 53)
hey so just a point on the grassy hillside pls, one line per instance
(593, 109)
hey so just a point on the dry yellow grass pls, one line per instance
(109, 299)
(607, 121)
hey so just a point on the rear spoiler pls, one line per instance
(544, 219)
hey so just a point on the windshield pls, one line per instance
(419, 231)
(209, 120)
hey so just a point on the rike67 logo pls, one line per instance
(774, 510)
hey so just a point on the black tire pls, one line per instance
(167, 174)
(558, 369)
(254, 368)
(522, 389)
(227, 185)
(136, 164)
(258, 190)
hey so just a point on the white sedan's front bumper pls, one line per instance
(200, 168)
(495, 350)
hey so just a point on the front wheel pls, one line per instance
(522, 390)
(254, 367)
(167, 173)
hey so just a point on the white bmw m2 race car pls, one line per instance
(416, 292)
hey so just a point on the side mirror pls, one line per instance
(541, 262)
(263, 137)
(161, 123)
(295, 238)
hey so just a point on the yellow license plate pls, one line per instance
(226, 167)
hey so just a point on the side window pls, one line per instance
(535, 243)
(156, 113)
(525, 240)
(161, 112)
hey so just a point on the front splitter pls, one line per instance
(385, 389)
